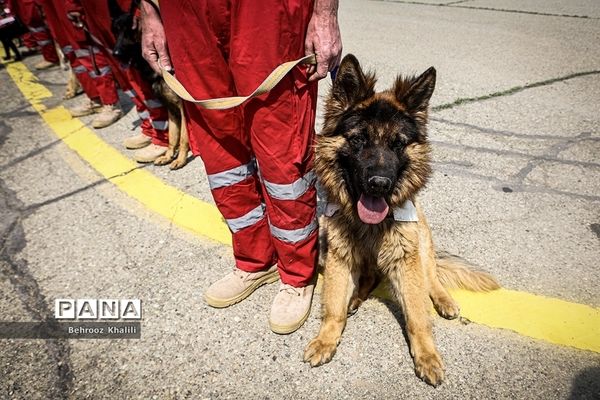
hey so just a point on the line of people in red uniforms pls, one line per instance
(81, 29)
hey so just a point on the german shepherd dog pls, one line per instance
(372, 158)
(128, 50)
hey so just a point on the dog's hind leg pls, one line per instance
(366, 284)
(337, 289)
(184, 143)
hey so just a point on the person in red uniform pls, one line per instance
(258, 157)
(95, 75)
(30, 15)
(153, 140)
(10, 28)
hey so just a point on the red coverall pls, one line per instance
(98, 84)
(29, 40)
(155, 117)
(258, 157)
(31, 17)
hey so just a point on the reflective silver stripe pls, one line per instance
(144, 114)
(67, 50)
(246, 220)
(44, 42)
(131, 93)
(103, 71)
(79, 69)
(152, 103)
(160, 125)
(231, 176)
(85, 52)
(38, 29)
(291, 191)
(294, 235)
(81, 53)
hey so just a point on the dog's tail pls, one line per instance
(454, 272)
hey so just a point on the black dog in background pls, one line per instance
(128, 50)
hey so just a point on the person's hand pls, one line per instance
(323, 39)
(154, 42)
(76, 19)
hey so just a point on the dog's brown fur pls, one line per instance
(178, 135)
(360, 254)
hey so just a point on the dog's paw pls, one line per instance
(319, 352)
(355, 302)
(162, 160)
(430, 368)
(447, 308)
(177, 163)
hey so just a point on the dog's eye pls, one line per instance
(398, 143)
(356, 141)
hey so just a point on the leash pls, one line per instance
(229, 102)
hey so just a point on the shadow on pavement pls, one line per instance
(586, 385)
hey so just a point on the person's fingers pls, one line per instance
(150, 55)
(308, 50)
(163, 56)
(320, 73)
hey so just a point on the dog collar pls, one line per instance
(405, 213)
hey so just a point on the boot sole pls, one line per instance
(222, 303)
(136, 146)
(147, 160)
(105, 124)
(293, 327)
(91, 112)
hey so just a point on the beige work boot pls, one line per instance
(237, 285)
(88, 107)
(44, 65)
(137, 141)
(149, 153)
(108, 115)
(290, 308)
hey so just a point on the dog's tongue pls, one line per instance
(372, 210)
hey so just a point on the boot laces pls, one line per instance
(290, 289)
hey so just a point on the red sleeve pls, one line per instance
(73, 6)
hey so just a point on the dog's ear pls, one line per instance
(415, 93)
(351, 85)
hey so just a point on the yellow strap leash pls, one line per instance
(229, 102)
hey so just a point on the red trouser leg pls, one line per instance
(153, 113)
(277, 129)
(29, 41)
(281, 127)
(44, 41)
(100, 72)
(218, 136)
(87, 83)
(31, 17)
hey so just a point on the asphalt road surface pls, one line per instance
(516, 188)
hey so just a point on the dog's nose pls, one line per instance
(380, 184)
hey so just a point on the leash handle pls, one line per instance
(229, 102)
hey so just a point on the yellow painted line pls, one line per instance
(182, 209)
(548, 319)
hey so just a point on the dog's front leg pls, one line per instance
(409, 285)
(337, 290)
(184, 143)
(174, 128)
